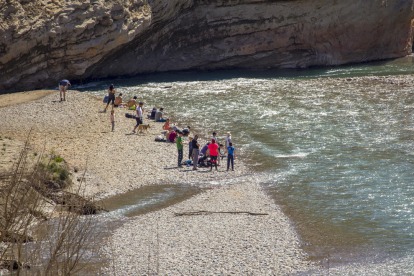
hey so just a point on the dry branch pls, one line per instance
(197, 213)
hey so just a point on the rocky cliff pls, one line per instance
(42, 42)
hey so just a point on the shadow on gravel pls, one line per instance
(171, 168)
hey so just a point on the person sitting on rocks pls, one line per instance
(176, 129)
(158, 116)
(152, 115)
(166, 126)
(167, 133)
(172, 136)
(118, 100)
(186, 131)
(131, 102)
(204, 149)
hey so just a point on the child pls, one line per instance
(112, 119)
(180, 145)
(190, 147)
(230, 156)
(166, 126)
(215, 137)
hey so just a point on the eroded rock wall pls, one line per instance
(43, 41)
(209, 34)
(102, 38)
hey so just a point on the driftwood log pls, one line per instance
(197, 213)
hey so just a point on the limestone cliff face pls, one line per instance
(43, 41)
(102, 38)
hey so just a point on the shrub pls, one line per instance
(58, 160)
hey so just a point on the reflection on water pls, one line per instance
(338, 155)
(148, 199)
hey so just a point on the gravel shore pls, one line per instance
(229, 230)
(239, 229)
(115, 162)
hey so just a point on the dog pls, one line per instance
(142, 128)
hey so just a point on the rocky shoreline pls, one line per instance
(236, 227)
(111, 162)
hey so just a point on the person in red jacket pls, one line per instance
(213, 152)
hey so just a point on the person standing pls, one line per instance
(196, 150)
(63, 86)
(230, 156)
(180, 146)
(215, 137)
(213, 152)
(112, 119)
(228, 140)
(138, 116)
(111, 97)
(190, 147)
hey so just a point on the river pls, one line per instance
(338, 156)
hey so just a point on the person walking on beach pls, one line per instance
(180, 146)
(230, 156)
(213, 152)
(112, 119)
(138, 116)
(111, 97)
(63, 86)
(195, 152)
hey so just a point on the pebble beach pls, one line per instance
(230, 228)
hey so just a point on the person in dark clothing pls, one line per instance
(195, 145)
(111, 98)
(152, 116)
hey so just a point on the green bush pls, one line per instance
(58, 159)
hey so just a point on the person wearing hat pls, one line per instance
(213, 152)
(180, 145)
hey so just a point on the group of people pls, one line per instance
(213, 150)
(172, 133)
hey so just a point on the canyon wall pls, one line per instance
(101, 38)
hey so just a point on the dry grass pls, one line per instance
(25, 193)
